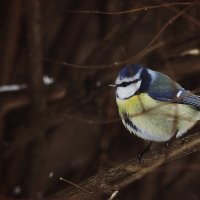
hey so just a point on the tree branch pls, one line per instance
(107, 182)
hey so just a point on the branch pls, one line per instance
(35, 66)
(16, 100)
(105, 183)
(10, 41)
(131, 11)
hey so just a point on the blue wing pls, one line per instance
(164, 89)
(188, 98)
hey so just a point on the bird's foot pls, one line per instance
(141, 154)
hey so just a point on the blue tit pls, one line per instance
(153, 106)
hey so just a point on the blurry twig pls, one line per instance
(14, 100)
(116, 64)
(75, 185)
(135, 10)
(186, 16)
(130, 59)
(169, 22)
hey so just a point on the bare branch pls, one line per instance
(146, 8)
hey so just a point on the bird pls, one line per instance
(153, 106)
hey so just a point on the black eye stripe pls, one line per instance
(124, 84)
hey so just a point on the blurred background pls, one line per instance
(61, 120)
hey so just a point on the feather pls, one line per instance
(165, 89)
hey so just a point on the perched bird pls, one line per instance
(153, 106)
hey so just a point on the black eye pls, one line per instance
(124, 84)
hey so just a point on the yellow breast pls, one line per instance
(156, 119)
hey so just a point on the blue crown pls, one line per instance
(129, 71)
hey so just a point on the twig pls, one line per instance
(186, 16)
(145, 8)
(169, 22)
(75, 185)
(114, 194)
(103, 66)
(130, 59)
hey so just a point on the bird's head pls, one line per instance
(129, 81)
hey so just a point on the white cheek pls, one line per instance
(128, 91)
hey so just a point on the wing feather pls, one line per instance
(165, 89)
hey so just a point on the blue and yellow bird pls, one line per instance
(153, 106)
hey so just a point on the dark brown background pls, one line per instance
(66, 128)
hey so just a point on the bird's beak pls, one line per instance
(112, 85)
